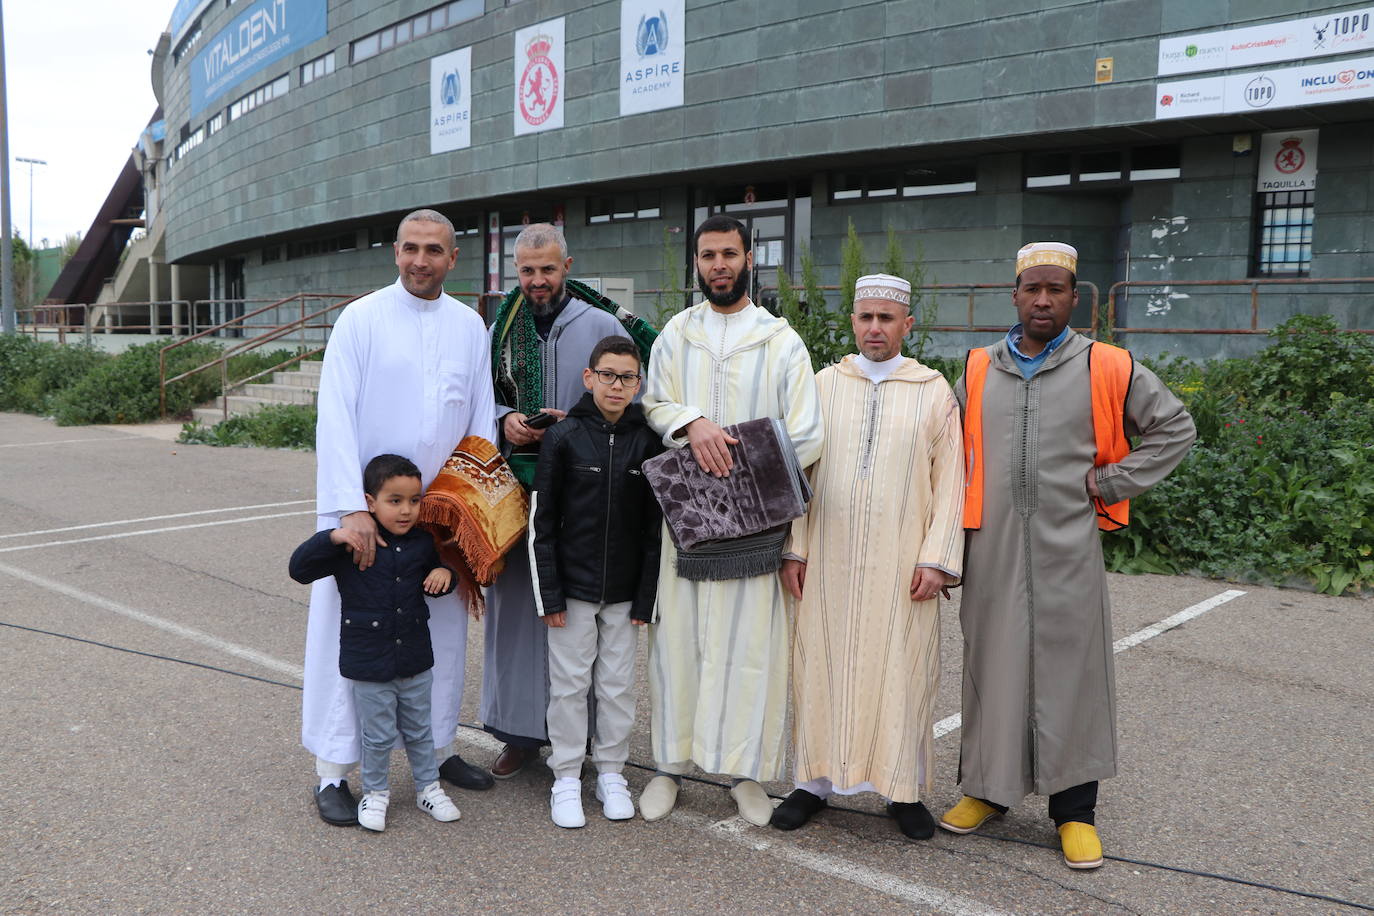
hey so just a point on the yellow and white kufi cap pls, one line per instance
(1056, 254)
(883, 286)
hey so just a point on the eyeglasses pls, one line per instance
(629, 379)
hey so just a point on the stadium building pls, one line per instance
(1173, 143)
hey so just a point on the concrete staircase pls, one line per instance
(300, 385)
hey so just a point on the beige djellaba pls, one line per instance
(1039, 698)
(888, 498)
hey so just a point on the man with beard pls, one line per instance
(406, 372)
(718, 656)
(541, 338)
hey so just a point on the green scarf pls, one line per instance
(516, 367)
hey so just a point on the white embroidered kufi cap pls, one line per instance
(883, 286)
(1054, 253)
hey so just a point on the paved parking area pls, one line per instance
(152, 644)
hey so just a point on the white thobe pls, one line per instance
(410, 377)
(718, 653)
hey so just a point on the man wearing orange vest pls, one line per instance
(1047, 416)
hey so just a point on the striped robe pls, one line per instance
(888, 498)
(718, 653)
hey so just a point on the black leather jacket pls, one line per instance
(594, 522)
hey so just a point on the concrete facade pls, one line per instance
(787, 97)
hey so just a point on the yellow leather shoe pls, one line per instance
(968, 815)
(1082, 848)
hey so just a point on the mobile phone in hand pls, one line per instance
(541, 420)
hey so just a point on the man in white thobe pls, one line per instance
(406, 372)
(718, 656)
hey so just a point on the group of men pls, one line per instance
(999, 484)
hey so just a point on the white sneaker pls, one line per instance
(614, 795)
(372, 810)
(565, 802)
(432, 800)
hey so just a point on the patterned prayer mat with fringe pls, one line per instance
(476, 510)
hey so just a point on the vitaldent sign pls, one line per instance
(267, 31)
(652, 55)
(1315, 36)
(1290, 87)
(450, 101)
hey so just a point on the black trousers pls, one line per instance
(1076, 803)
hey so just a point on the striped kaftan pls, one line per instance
(718, 654)
(888, 498)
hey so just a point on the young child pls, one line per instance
(384, 646)
(594, 535)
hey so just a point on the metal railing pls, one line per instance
(1254, 285)
(276, 333)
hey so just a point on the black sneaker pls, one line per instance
(337, 805)
(796, 809)
(912, 819)
(464, 775)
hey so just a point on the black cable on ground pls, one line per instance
(1230, 879)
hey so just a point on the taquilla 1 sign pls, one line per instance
(652, 54)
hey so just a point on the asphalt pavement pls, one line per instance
(151, 645)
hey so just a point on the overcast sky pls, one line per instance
(79, 93)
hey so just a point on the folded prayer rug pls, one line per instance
(734, 526)
(476, 509)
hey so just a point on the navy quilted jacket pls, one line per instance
(384, 626)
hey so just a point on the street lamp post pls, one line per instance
(31, 163)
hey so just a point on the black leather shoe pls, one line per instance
(912, 819)
(464, 775)
(796, 809)
(337, 805)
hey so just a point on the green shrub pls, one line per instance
(33, 372)
(274, 426)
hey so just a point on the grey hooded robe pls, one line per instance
(1039, 702)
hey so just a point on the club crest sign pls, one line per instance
(652, 55)
(539, 73)
(1288, 161)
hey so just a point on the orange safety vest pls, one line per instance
(1109, 369)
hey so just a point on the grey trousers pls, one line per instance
(386, 708)
(600, 637)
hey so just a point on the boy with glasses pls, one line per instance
(594, 545)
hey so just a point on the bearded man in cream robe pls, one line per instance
(406, 372)
(883, 536)
(718, 654)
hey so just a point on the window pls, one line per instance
(271, 254)
(259, 96)
(398, 33)
(215, 124)
(926, 180)
(624, 207)
(344, 241)
(320, 66)
(189, 139)
(187, 44)
(1060, 169)
(1283, 240)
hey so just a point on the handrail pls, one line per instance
(248, 344)
(1253, 283)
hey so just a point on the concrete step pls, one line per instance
(311, 367)
(280, 394)
(240, 405)
(309, 380)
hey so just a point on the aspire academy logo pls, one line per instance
(651, 37)
(539, 82)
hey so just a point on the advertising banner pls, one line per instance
(183, 14)
(450, 101)
(267, 31)
(1288, 161)
(1275, 42)
(539, 77)
(1290, 87)
(652, 55)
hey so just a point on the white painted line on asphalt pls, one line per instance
(154, 518)
(68, 441)
(205, 639)
(1168, 623)
(952, 723)
(131, 534)
(735, 830)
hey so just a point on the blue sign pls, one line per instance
(266, 32)
(183, 14)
